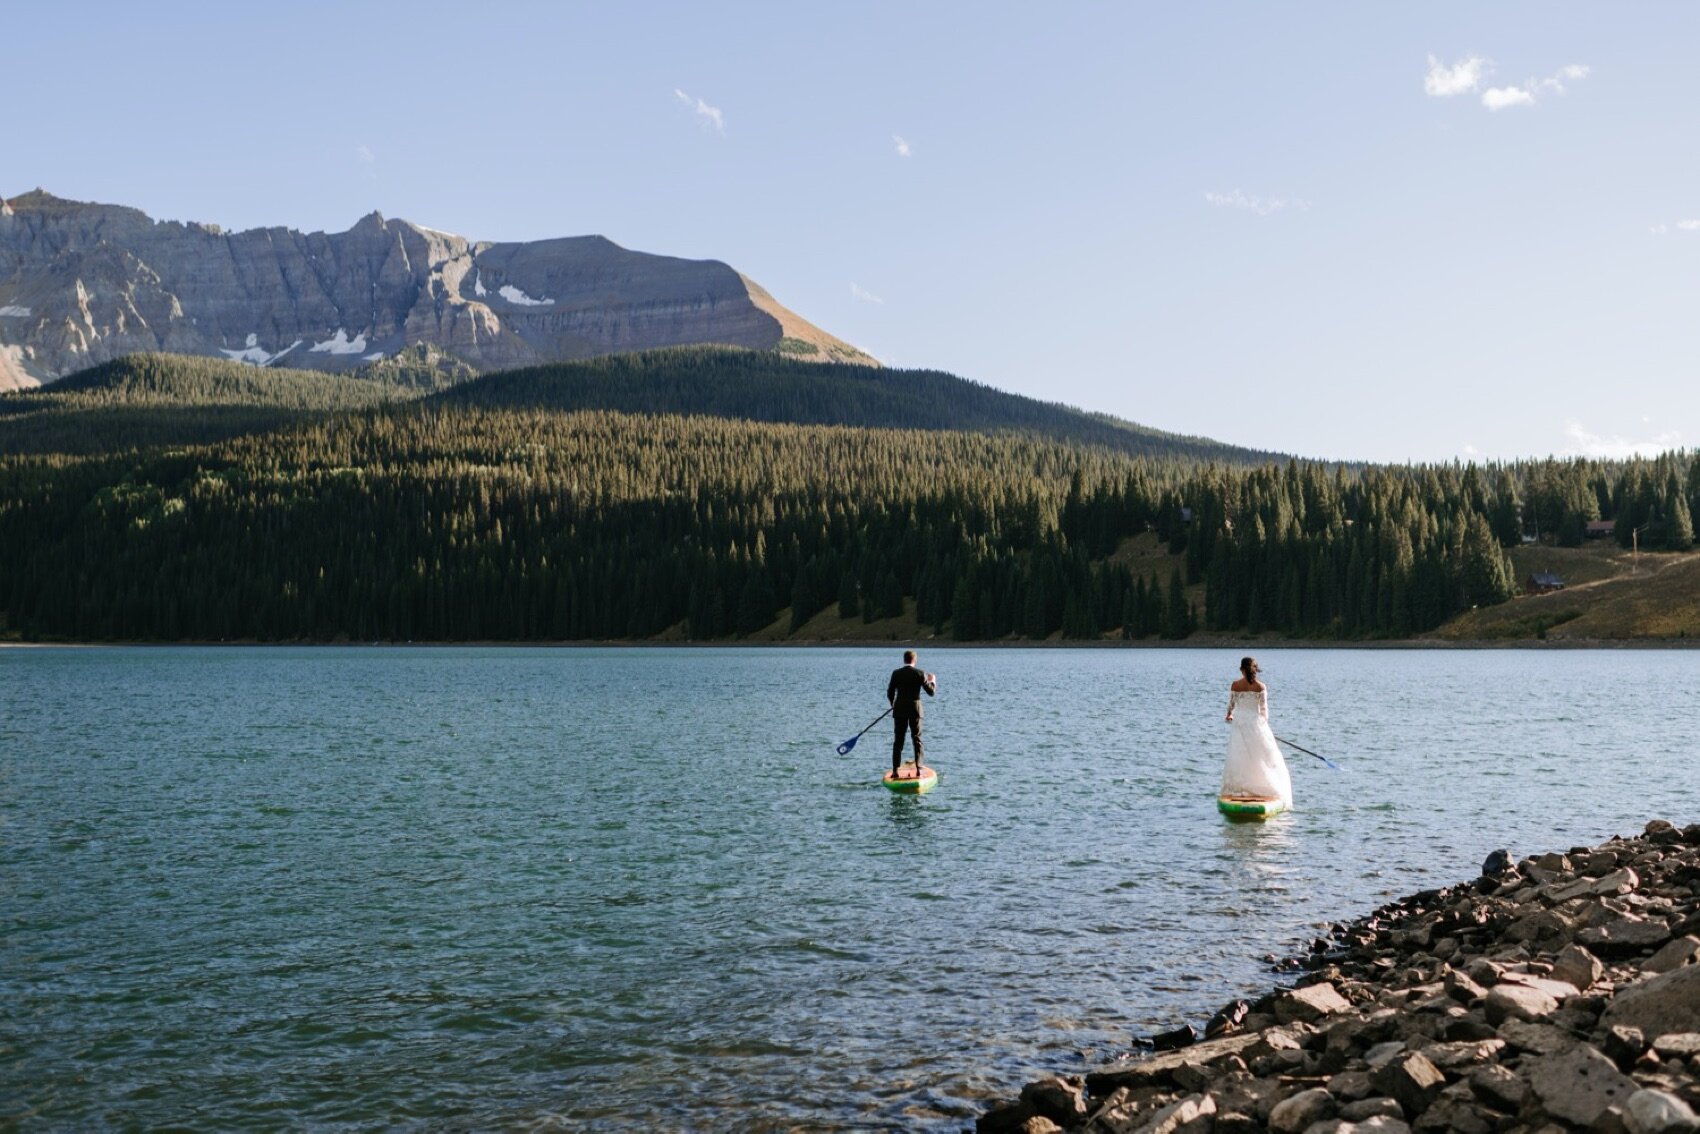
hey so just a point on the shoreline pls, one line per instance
(1559, 992)
(1414, 644)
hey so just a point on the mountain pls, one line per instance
(774, 387)
(84, 283)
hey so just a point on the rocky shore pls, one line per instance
(1558, 993)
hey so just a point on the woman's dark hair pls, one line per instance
(1249, 667)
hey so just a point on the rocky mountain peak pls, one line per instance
(82, 283)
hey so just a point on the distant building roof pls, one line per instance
(1602, 525)
(1545, 579)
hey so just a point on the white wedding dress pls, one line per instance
(1255, 768)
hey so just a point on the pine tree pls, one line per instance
(1176, 617)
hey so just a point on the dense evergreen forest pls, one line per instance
(723, 382)
(448, 519)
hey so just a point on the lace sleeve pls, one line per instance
(1263, 704)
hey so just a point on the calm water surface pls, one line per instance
(498, 888)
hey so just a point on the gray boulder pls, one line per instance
(1669, 1002)
(1578, 1085)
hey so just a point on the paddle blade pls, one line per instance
(844, 749)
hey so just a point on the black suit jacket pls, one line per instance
(904, 691)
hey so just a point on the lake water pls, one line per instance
(637, 888)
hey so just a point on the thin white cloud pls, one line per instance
(708, 114)
(1585, 443)
(862, 295)
(1499, 98)
(1460, 78)
(1262, 206)
(364, 153)
(901, 145)
(1688, 225)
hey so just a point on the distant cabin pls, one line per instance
(1542, 583)
(1600, 529)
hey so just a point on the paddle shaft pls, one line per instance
(1306, 751)
(844, 749)
(875, 721)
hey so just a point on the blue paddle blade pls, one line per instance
(844, 749)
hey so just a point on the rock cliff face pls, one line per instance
(83, 283)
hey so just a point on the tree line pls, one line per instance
(443, 521)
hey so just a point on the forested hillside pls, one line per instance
(163, 499)
(144, 400)
(770, 386)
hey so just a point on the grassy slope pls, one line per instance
(1608, 595)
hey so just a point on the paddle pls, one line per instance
(844, 749)
(1308, 752)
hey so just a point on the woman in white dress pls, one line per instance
(1255, 769)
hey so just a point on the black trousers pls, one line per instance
(912, 725)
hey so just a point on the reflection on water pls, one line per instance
(262, 887)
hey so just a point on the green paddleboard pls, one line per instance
(1244, 809)
(906, 782)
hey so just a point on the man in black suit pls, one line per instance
(903, 692)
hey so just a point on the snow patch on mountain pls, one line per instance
(15, 311)
(254, 354)
(514, 295)
(340, 343)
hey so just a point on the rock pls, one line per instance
(1228, 1020)
(1539, 1039)
(1624, 937)
(1467, 1027)
(1669, 1002)
(1677, 1045)
(1682, 951)
(1157, 1070)
(1381, 1124)
(1411, 1079)
(1518, 1002)
(1454, 1058)
(1559, 990)
(1291, 1116)
(1349, 1085)
(1577, 967)
(1577, 1085)
(1382, 1054)
(1499, 1088)
(1057, 1099)
(1555, 862)
(1543, 928)
(1460, 987)
(1184, 1036)
(1311, 1003)
(1456, 1111)
(1620, 881)
(1009, 1118)
(1192, 1115)
(1372, 1108)
(1233, 1122)
(1038, 1124)
(1484, 972)
(1657, 1112)
(1623, 1045)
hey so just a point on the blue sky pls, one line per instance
(1350, 230)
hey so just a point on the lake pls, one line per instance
(262, 887)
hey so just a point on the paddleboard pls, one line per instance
(1245, 808)
(907, 783)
